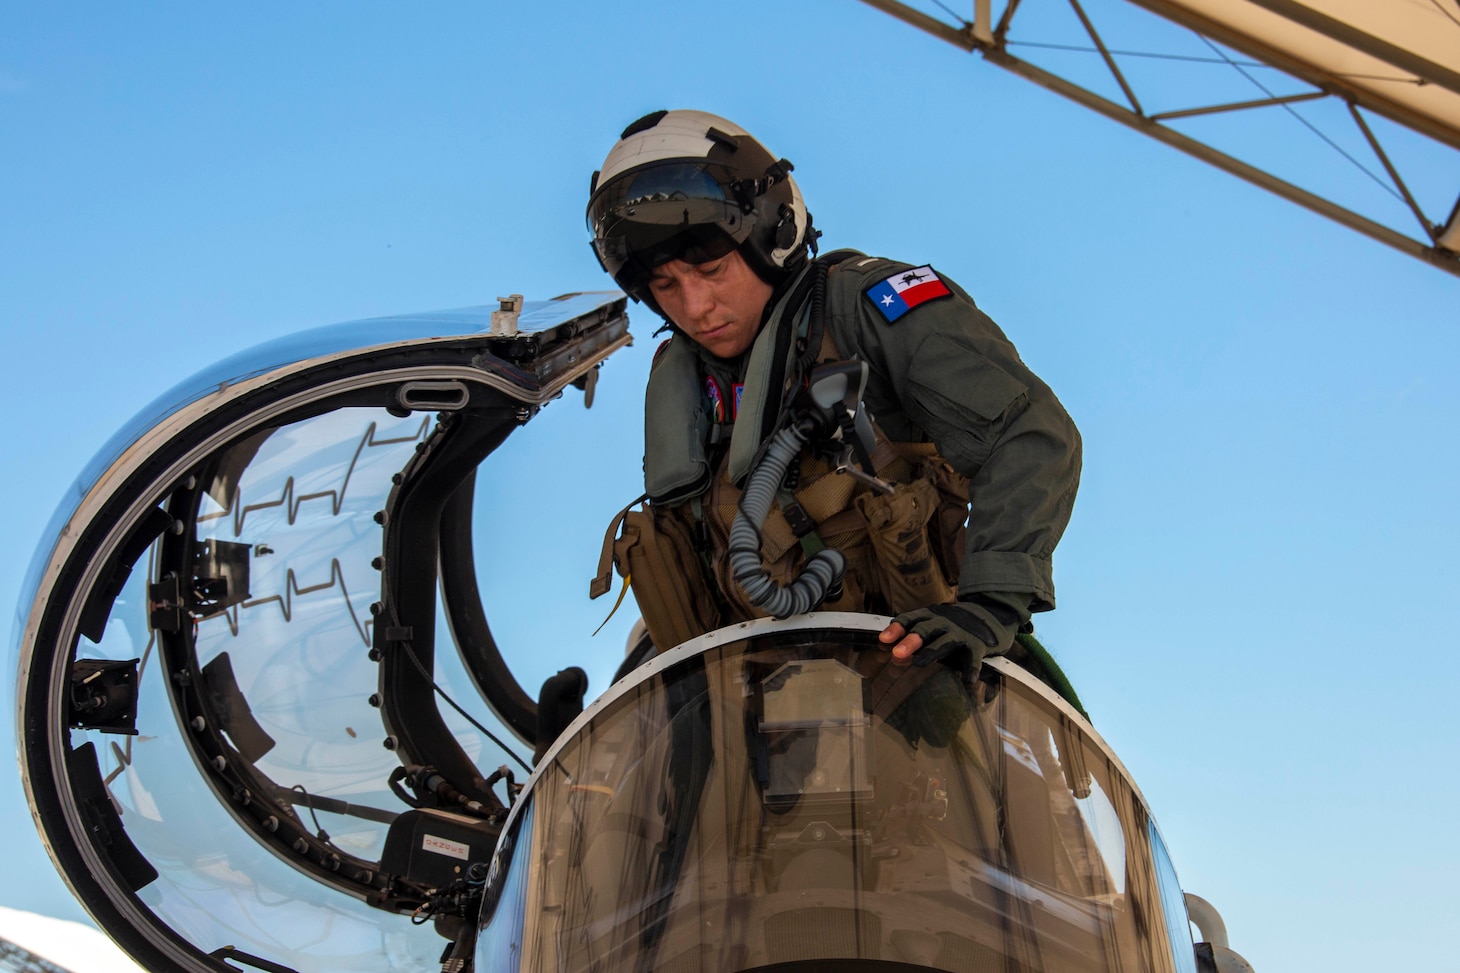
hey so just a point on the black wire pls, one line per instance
(1289, 109)
(1162, 57)
(1200, 60)
(322, 835)
(411, 651)
(952, 13)
(1446, 12)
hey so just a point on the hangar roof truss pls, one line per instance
(1388, 71)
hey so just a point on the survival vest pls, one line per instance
(903, 549)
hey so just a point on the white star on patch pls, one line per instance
(886, 300)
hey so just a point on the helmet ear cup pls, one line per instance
(786, 229)
(792, 235)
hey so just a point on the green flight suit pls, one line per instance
(943, 373)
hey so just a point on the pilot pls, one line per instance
(692, 216)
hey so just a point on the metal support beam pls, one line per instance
(1003, 29)
(983, 16)
(1130, 95)
(958, 38)
(1351, 36)
(1430, 229)
(1237, 106)
(1301, 70)
(1445, 259)
(1449, 237)
(1447, 262)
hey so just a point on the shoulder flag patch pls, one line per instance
(905, 290)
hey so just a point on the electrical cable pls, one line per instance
(1309, 125)
(1437, 7)
(952, 13)
(1196, 59)
(321, 833)
(415, 661)
(1150, 54)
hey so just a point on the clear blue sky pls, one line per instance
(1257, 589)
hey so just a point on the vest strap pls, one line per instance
(603, 580)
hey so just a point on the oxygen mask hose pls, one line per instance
(823, 571)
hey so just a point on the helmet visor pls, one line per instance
(672, 210)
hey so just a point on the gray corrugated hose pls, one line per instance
(818, 575)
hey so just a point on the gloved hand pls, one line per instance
(960, 634)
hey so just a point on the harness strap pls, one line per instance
(603, 581)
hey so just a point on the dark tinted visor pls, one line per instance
(672, 210)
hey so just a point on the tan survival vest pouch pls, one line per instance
(656, 556)
(903, 550)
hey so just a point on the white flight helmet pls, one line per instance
(690, 185)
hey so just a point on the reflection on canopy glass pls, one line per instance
(241, 654)
(287, 521)
(794, 796)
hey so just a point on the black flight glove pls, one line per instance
(958, 635)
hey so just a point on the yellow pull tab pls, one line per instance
(601, 582)
(621, 592)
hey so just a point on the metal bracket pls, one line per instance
(504, 320)
(104, 696)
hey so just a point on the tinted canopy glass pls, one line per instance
(793, 796)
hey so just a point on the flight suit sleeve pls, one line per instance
(944, 370)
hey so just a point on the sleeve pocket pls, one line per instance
(960, 398)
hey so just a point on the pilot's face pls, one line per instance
(717, 303)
